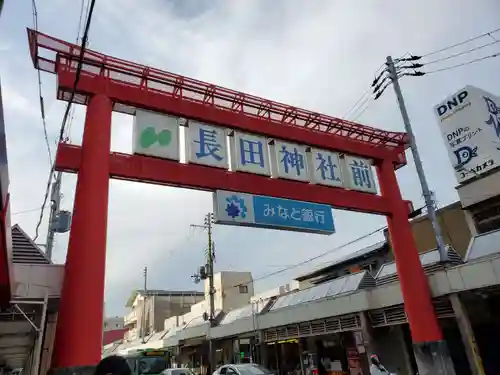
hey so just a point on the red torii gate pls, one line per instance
(109, 84)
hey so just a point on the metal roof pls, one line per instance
(349, 257)
(24, 250)
(334, 288)
(245, 311)
(431, 262)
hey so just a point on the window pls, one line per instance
(131, 363)
(243, 289)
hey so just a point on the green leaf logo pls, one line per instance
(149, 137)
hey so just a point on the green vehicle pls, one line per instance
(148, 361)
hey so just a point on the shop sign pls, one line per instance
(159, 135)
(156, 135)
(249, 210)
(469, 121)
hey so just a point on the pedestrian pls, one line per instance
(113, 365)
(376, 367)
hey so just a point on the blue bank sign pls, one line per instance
(267, 212)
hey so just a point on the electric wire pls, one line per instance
(40, 95)
(489, 33)
(377, 72)
(462, 64)
(66, 113)
(295, 265)
(362, 109)
(284, 269)
(379, 80)
(357, 102)
(462, 53)
(79, 30)
(25, 211)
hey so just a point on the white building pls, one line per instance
(113, 323)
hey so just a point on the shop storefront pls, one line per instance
(323, 347)
(193, 353)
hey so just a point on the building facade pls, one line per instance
(455, 228)
(149, 310)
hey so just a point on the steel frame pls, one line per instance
(179, 95)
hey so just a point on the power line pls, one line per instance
(462, 53)
(377, 72)
(80, 20)
(489, 33)
(79, 30)
(284, 269)
(366, 104)
(68, 107)
(26, 211)
(356, 103)
(379, 80)
(463, 64)
(42, 105)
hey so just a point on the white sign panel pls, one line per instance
(250, 153)
(326, 168)
(206, 144)
(291, 161)
(156, 135)
(470, 124)
(233, 208)
(359, 174)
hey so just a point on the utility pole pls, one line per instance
(428, 196)
(143, 320)
(207, 272)
(55, 202)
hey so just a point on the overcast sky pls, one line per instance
(320, 55)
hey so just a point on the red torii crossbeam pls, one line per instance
(109, 84)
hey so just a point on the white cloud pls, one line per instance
(320, 55)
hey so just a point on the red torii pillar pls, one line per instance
(78, 340)
(430, 349)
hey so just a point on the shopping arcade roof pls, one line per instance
(347, 284)
(356, 292)
(430, 260)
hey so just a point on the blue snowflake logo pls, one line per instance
(236, 207)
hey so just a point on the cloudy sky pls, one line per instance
(320, 55)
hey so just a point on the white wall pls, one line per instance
(228, 295)
(112, 323)
(38, 280)
(170, 323)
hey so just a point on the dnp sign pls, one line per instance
(453, 102)
(468, 121)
